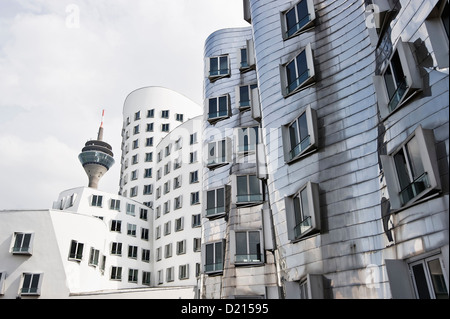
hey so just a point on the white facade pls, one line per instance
(177, 205)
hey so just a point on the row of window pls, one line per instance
(181, 248)
(183, 273)
(151, 114)
(178, 225)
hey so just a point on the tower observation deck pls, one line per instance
(96, 157)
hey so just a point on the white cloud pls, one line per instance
(56, 77)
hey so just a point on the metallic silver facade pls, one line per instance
(361, 232)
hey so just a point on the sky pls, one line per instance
(63, 62)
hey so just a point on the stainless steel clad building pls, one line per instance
(326, 151)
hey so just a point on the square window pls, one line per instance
(217, 202)
(218, 67)
(23, 243)
(249, 190)
(248, 248)
(218, 108)
(31, 284)
(298, 19)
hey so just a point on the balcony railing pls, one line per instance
(214, 267)
(398, 94)
(415, 188)
(302, 227)
(298, 25)
(220, 72)
(248, 258)
(300, 147)
(249, 198)
(215, 211)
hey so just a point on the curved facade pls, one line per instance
(352, 146)
(149, 114)
(177, 209)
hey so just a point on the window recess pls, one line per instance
(246, 57)
(411, 171)
(218, 67)
(298, 19)
(303, 212)
(300, 137)
(218, 202)
(399, 81)
(298, 73)
(218, 108)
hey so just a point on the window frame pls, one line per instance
(235, 245)
(22, 250)
(226, 200)
(222, 73)
(312, 131)
(428, 276)
(426, 145)
(250, 201)
(217, 265)
(313, 206)
(224, 153)
(305, 27)
(218, 115)
(76, 251)
(308, 81)
(38, 287)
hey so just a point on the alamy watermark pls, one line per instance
(72, 16)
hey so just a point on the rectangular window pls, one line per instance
(22, 243)
(136, 129)
(143, 214)
(214, 256)
(298, 72)
(195, 198)
(76, 250)
(116, 273)
(218, 108)
(149, 127)
(146, 275)
(116, 225)
(116, 248)
(219, 153)
(215, 202)
(149, 141)
(411, 171)
(248, 247)
(115, 204)
(133, 275)
(137, 115)
(193, 138)
(135, 144)
(193, 177)
(149, 157)
(244, 96)
(31, 284)
(183, 272)
(165, 127)
(145, 255)
(148, 189)
(302, 212)
(181, 247)
(131, 230)
(131, 209)
(218, 67)
(249, 190)
(169, 274)
(179, 224)
(178, 202)
(165, 114)
(93, 256)
(144, 233)
(134, 191)
(247, 140)
(192, 157)
(167, 228)
(179, 117)
(196, 220)
(197, 244)
(428, 278)
(167, 207)
(168, 251)
(132, 251)
(246, 57)
(298, 18)
(151, 113)
(97, 200)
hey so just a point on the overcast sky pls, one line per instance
(62, 62)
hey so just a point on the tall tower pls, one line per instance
(96, 157)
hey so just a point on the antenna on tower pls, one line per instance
(100, 130)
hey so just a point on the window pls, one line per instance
(428, 278)
(193, 177)
(116, 273)
(309, 287)
(149, 157)
(399, 81)
(76, 250)
(148, 189)
(298, 18)
(115, 204)
(135, 144)
(136, 129)
(134, 174)
(165, 127)
(249, 190)
(183, 272)
(151, 113)
(244, 96)
(192, 157)
(216, 202)
(219, 153)
(300, 136)
(145, 255)
(298, 73)
(197, 244)
(181, 247)
(166, 187)
(144, 233)
(302, 212)
(193, 138)
(137, 115)
(437, 24)
(218, 67)
(247, 140)
(178, 202)
(196, 220)
(165, 114)
(133, 275)
(179, 117)
(169, 274)
(179, 224)
(158, 254)
(168, 251)
(214, 256)
(160, 277)
(22, 243)
(146, 278)
(218, 108)
(134, 191)
(167, 207)
(116, 225)
(168, 150)
(195, 198)
(167, 168)
(131, 230)
(93, 256)
(116, 248)
(246, 57)
(411, 171)
(177, 182)
(97, 200)
(248, 247)
(31, 284)
(167, 228)
(149, 142)
(149, 127)
(132, 251)
(130, 209)
(143, 214)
